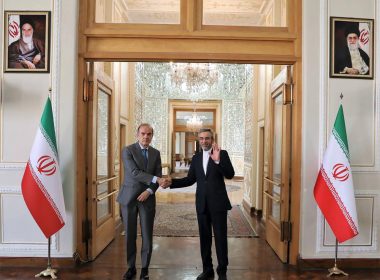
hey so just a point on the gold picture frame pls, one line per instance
(351, 48)
(27, 41)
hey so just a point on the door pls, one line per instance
(101, 179)
(277, 179)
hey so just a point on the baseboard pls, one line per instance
(248, 208)
(308, 264)
(252, 211)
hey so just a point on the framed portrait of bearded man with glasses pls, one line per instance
(351, 48)
(27, 41)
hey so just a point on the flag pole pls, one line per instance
(335, 270)
(48, 271)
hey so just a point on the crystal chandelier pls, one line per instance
(194, 77)
(194, 123)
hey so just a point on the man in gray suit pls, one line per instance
(142, 177)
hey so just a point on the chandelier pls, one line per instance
(194, 123)
(194, 77)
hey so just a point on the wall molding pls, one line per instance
(322, 247)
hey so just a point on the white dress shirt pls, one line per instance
(206, 157)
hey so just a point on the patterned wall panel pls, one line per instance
(248, 122)
(155, 112)
(233, 127)
(139, 93)
(366, 242)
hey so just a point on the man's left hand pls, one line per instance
(28, 64)
(143, 196)
(215, 156)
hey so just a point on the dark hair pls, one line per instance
(144, 124)
(207, 130)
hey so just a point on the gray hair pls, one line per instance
(144, 124)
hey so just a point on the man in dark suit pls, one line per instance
(208, 169)
(351, 59)
(28, 51)
(142, 172)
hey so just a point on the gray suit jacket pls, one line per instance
(136, 178)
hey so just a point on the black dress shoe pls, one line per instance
(222, 276)
(206, 274)
(144, 273)
(130, 273)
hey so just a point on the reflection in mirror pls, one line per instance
(186, 145)
(185, 142)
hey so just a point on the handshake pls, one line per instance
(164, 182)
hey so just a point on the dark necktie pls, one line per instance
(145, 155)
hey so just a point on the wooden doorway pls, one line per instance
(191, 41)
(277, 181)
(184, 141)
(101, 178)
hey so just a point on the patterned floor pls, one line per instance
(181, 220)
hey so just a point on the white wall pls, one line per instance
(23, 96)
(320, 105)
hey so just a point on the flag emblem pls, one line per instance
(14, 29)
(341, 172)
(46, 165)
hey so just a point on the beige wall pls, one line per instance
(321, 102)
(22, 103)
(23, 96)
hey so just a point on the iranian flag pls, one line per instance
(14, 29)
(334, 190)
(41, 184)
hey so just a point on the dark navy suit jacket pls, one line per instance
(211, 189)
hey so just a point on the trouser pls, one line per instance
(130, 225)
(216, 221)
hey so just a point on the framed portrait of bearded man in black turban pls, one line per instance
(27, 41)
(351, 48)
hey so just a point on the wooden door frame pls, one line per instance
(99, 80)
(281, 85)
(193, 42)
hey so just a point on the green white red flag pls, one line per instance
(41, 184)
(334, 189)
